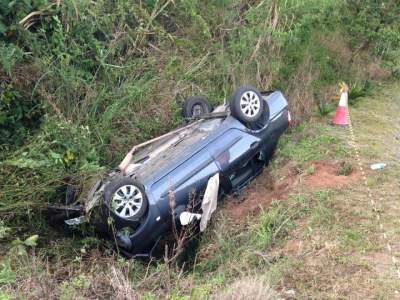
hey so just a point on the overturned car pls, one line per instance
(176, 179)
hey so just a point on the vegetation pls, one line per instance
(83, 81)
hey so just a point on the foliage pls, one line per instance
(375, 24)
(71, 289)
(19, 247)
(82, 81)
(325, 108)
(18, 116)
(9, 56)
(4, 230)
(310, 143)
(6, 273)
(358, 90)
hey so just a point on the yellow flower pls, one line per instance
(69, 156)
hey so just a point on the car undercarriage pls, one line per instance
(167, 181)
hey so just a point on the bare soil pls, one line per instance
(265, 189)
(326, 176)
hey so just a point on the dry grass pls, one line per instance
(343, 253)
(253, 287)
(300, 91)
(335, 250)
(337, 44)
(364, 67)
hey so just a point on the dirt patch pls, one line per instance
(260, 195)
(326, 174)
(265, 189)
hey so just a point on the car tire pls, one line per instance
(126, 199)
(195, 106)
(247, 105)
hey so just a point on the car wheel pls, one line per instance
(195, 106)
(247, 104)
(126, 199)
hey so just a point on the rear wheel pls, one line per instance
(126, 199)
(247, 104)
(195, 106)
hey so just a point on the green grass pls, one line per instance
(99, 88)
(311, 142)
(89, 79)
(323, 213)
(356, 239)
(326, 221)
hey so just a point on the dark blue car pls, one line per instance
(167, 176)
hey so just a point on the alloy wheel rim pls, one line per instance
(127, 201)
(250, 104)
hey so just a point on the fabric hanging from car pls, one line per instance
(209, 203)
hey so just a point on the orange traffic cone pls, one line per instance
(340, 118)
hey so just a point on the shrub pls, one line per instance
(99, 76)
(373, 24)
(19, 115)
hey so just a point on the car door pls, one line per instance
(233, 149)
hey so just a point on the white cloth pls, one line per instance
(209, 203)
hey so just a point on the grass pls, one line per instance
(310, 142)
(98, 82)
(357, 239)
(101, 83)
(322, 215)
(304, 246)
(344, 253)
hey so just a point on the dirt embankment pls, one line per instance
(320, 174)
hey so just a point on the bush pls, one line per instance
(19, 115)
(105, 74)
(374, 24)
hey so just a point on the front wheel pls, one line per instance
(126, 199)
(247, 104)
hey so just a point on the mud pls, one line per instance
(265, 189)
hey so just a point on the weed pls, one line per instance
(253, 287)
(4, 296)
(7, 275)
(322, 213)
(9, 56)
(81, 81)
(310, 143)
(358, 90)
(4, 230)
(19, 117)
(324, 108)
(72, 288)
(273, 224)
(345, 168)
(310, 170)
(354, 239)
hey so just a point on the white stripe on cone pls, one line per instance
(344, 99)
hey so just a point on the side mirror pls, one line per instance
(187, 217)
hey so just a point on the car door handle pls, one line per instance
(254, 145)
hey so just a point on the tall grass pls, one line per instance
(106, 74)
